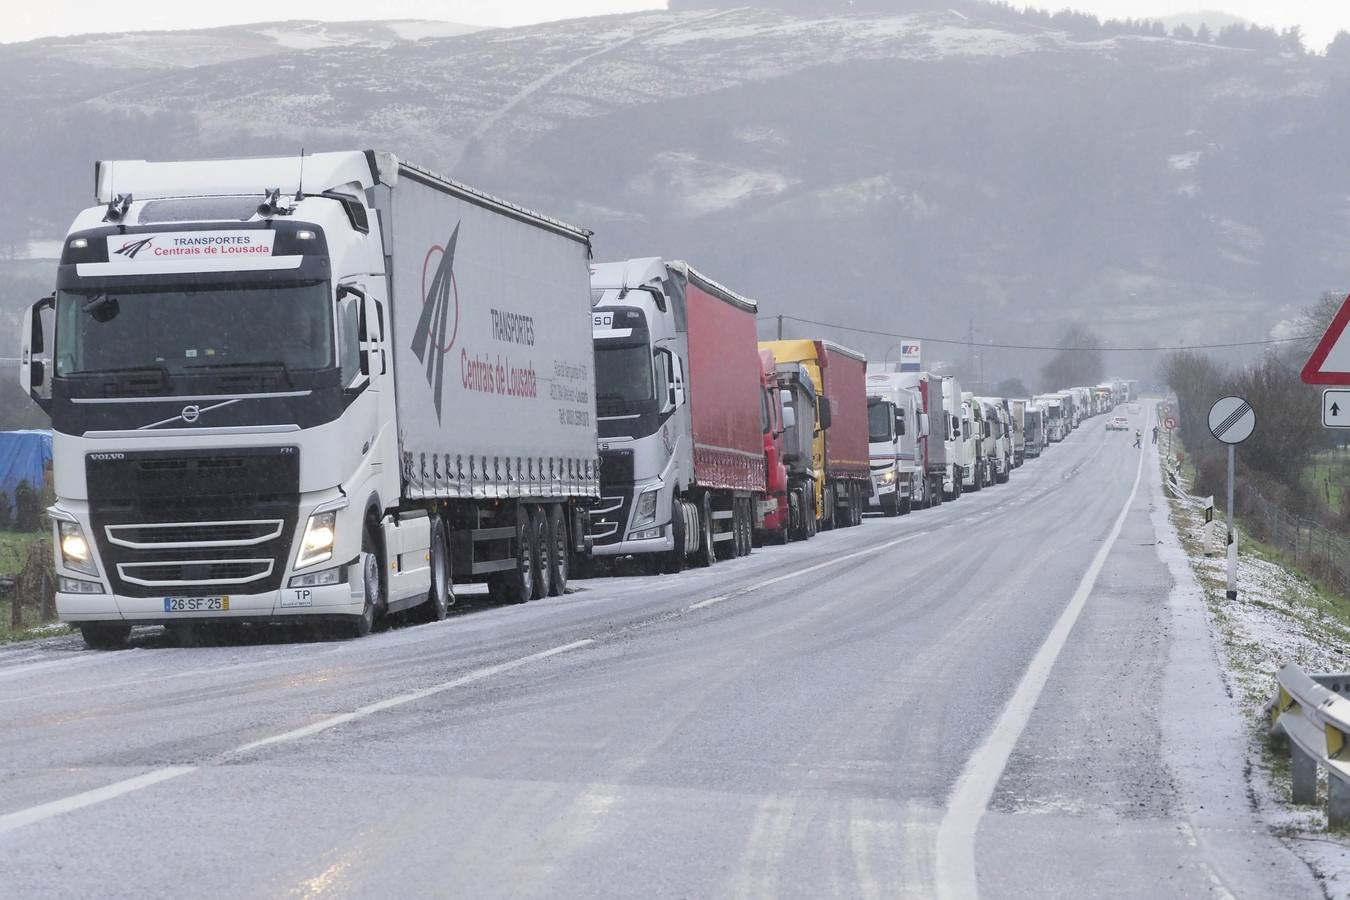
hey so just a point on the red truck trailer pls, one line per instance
(848, 470)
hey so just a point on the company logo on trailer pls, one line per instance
(131, 248)
(440, 305)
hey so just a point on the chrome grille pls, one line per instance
(173, 535)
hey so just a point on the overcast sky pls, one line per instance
(1321, 19)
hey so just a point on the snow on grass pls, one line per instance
(1279, 616)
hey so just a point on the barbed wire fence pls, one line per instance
(1314, 549)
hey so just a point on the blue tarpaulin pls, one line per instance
(24, 456)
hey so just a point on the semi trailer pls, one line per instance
(680, 394)
(311, 389)
(1017, 412)
(938, 448)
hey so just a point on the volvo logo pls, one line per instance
(191, 413)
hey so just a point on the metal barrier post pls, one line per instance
(1303, 774)
(1338, 802)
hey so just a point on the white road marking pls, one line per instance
(382, 705)
(955, 866)
(16, 820)
(720, 598)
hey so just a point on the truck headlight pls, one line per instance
(317, 544)
(888, 477)
(646, 507)
(75, 552)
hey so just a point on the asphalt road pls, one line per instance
(909, 708)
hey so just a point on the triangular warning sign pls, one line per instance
(1330, 362)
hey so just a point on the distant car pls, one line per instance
(1117, 423)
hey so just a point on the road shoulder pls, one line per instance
(1278, 617)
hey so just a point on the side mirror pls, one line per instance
(899, 424)
(956, 428)
(923, 424)
(825, 414)
(677, 383)
(32, 370)
(789, 418)
(666, 360)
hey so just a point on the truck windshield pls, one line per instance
(623, 373)
(185, 328)
(879, 420)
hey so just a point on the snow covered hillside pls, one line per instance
(920, 169)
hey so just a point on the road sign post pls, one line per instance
(1232, 420)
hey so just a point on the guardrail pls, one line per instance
(1311, 713)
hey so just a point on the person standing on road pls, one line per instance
(1138, 438)
(1155, 435)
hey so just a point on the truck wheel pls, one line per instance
(557, 532)
(674, 561)
(890, 505)
(105, 635)
(707, 549)
(517, 585)
(441, 596)
(372, 578)
(856, 508)
(543, 551)
(827, 517)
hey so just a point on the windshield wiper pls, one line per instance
(151, 369)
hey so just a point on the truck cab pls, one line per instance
(801, 404)
(894, 426)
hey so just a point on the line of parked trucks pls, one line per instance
(331, 389)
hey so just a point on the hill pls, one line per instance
(902, 168)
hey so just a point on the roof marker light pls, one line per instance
(79, 243)
(304, 235)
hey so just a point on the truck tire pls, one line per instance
(890, 505)
(517, 584)
(827, 514)
(372, 577)
(441, 596)
(674, 560)
(856, 507)
(105, 635)
(543, 551)
(557, 533)
(812, 523)
(706, 554)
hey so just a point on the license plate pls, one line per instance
(196, 604)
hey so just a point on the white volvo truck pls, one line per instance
(315, 389)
